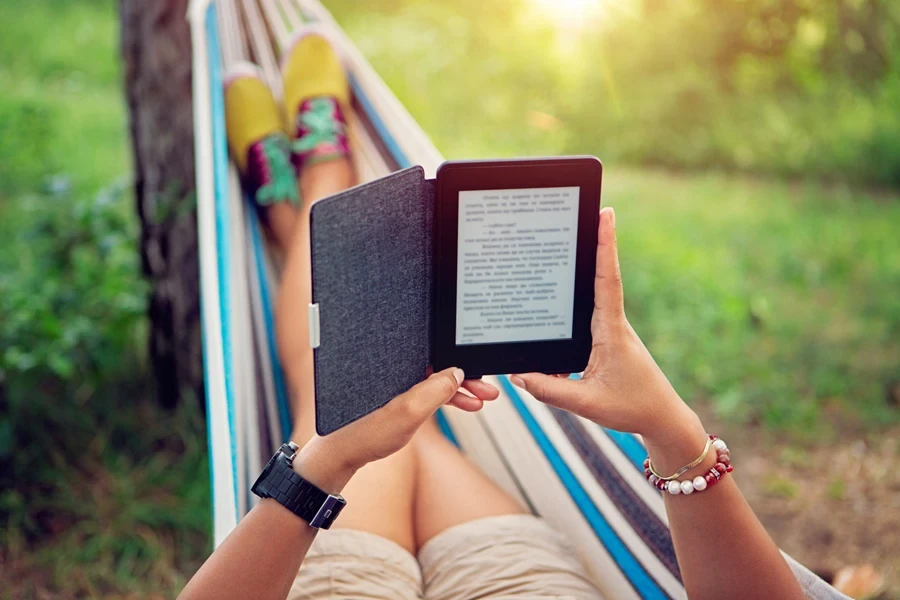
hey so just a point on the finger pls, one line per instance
(481, 389)
(465, 402)
(608, 296)
(569, 394)
(438, 389)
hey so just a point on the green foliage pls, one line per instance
(70, 290)
(788, 87)
(101, 491)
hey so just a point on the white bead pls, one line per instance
(699, 483)
(687, 487)
(674, 488)
(720, 445)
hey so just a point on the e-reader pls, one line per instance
(514, 259)
(488, 267)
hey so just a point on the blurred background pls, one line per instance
(752, 153)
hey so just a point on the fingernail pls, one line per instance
(612, 216)
(460, 375)
(517, 381)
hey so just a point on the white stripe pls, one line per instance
(602, 501)
(292, 12)
(262, 47)
(276, 22)
(236, 320)
(225, 513)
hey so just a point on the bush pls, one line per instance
(71, 294)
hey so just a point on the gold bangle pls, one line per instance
(686, 467)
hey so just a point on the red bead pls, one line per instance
(719, 467)
(729, 469)
(725, 459)
(709, 479)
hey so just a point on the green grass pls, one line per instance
(62, 106)
(775, 303)
(110, 495)
(770, 302)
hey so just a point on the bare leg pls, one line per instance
(380, 496)
(280, 219)
(450, 490)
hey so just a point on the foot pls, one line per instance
(256, 137)
(316, 96)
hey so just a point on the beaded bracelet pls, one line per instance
(701, 482)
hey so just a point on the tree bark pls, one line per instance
(156, 56)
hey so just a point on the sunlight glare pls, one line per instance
(571, 15)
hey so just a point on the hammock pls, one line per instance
(584, 480)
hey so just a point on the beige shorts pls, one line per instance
(514, 556)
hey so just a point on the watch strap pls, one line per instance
(299, 496)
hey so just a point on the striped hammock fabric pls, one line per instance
(584, 480)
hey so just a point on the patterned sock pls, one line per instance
(321, 133)
(269, 172)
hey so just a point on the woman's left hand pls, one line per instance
(385, 431)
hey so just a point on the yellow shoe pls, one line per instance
(250, 111)
(310, 67)
(256, 137)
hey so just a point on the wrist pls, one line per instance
(677, 443)
(319, 464)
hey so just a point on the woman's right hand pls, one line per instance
(622, 387)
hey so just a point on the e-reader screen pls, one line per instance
(516, 265)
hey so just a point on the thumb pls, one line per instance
(424, 398)
(568, 394)
(609, 304)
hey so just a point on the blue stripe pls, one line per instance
(220, 173)
(627, 443)
(630, 447)
(444, 425)
(637, 576)
(281, 396)
(379, 125)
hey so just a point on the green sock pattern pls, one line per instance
(275, 177)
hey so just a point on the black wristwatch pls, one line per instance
(279, 482)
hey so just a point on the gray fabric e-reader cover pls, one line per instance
(370, 318)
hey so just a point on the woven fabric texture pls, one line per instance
(371, 277)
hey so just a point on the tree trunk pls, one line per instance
(156, 56)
